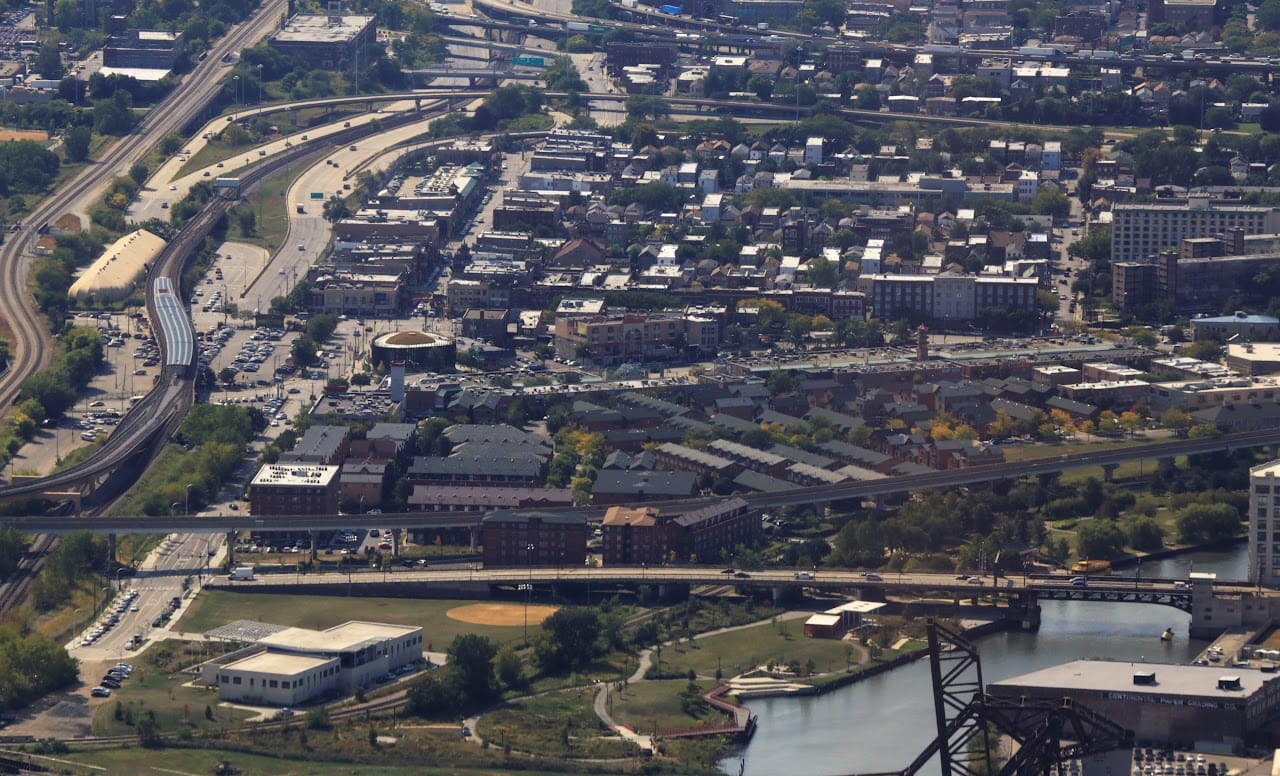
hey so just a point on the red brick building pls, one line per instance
(294, 489)
(527, 538)
(646, 535)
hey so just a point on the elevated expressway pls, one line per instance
(821, 495)
(30, 346)
(1012, 597)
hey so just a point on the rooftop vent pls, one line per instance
(1229, 683)
(1144, 677)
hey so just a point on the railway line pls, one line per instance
(29, 339)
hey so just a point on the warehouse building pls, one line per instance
(1200, 706)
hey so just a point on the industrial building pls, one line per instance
(291, 666)
(118, 270)
(1161, 703)
(147, 55)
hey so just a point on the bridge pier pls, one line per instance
(1166, 464)
(1109, 471)
(311, 540)
(231, 549)
(782, 594)
(673, 591)
(471, 537)
(111, 549)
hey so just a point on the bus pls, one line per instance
(1095, 567)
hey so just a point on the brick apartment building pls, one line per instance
(518, 538)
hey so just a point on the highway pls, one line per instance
(888, 582)
(814, 495)
(30, 343)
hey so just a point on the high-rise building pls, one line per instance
(1264, 528)
(1140, 231)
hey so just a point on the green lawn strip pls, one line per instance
(743, 650)
(417, 752)
(556, 724)
(267, 201)
(641, 705)
(217, 607)
(1038, 451)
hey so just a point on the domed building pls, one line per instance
(421, 351)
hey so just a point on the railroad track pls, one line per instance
(30, 340)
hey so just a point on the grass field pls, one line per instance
(151, 690)
(218, 607)
(743, 650)
(566, 726)
(267, 202)
(417, 753)
(642, 705)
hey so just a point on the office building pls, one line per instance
(324, 40)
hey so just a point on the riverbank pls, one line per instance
(1225, 545)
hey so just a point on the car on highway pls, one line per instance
(873, 577)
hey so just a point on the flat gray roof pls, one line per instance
(1117, 677)
(282, 664)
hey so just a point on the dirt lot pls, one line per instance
(501, 614)
(23, 134)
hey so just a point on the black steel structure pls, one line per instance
(1044, 733)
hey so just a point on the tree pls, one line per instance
(1206, 523)
(48, 62)
(509, 667)
(246, 221)
(471, 660)
(138, 173)
(572, 639)
(1098, 539)
(1145, 534)
(77, 141)
(1176, 420)
(303, 351)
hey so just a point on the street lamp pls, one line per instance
(186, 507)
(236, 81)
(259, 84)
(174, 507)
(75, 618)
(528, 590)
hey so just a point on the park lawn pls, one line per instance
(213, 608)
(170, 697)
(742, 650)
(558, 724)
(641, 705)
(606, 668)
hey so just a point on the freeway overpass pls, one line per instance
(1018, 596)
(825, 494)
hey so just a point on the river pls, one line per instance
(881, 723)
